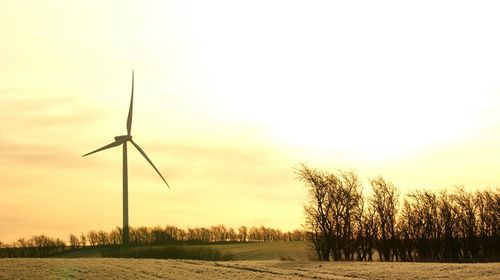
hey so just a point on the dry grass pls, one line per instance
(258, 251)
(104, 268)
(265, 251)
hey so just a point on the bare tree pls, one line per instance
(74, 242)
(93, 238)
(333, 212)
(488, 211)
(242, 233)
(385, 203)
(448, 222)
(318, 210)
(83, 240)
(115, 236)
(102, 238)
(467, 218)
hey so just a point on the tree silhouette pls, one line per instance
(429, 226)
(385, 204)
(334, 211)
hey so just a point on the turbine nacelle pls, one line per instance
(123, 138)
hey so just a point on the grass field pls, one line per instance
(109, 268)
(279, 260)
(291, 251)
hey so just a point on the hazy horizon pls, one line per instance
(230, 96)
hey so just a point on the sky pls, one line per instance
(230, 97)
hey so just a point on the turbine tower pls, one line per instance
(122, 140)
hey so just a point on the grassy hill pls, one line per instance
(292, 250)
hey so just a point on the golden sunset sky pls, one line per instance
(230, 96)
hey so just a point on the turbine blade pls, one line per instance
(129, 118)
(150, 162)
(114, 144)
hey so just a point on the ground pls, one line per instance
(255, 251)
(107, 268)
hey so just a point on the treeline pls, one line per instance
(172, 234)
(43, 246)
(37, 246)
(344, 224)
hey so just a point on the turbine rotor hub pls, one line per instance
(123, 138)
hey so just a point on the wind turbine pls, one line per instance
(122, 140)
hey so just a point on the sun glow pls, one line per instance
(387, 93)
